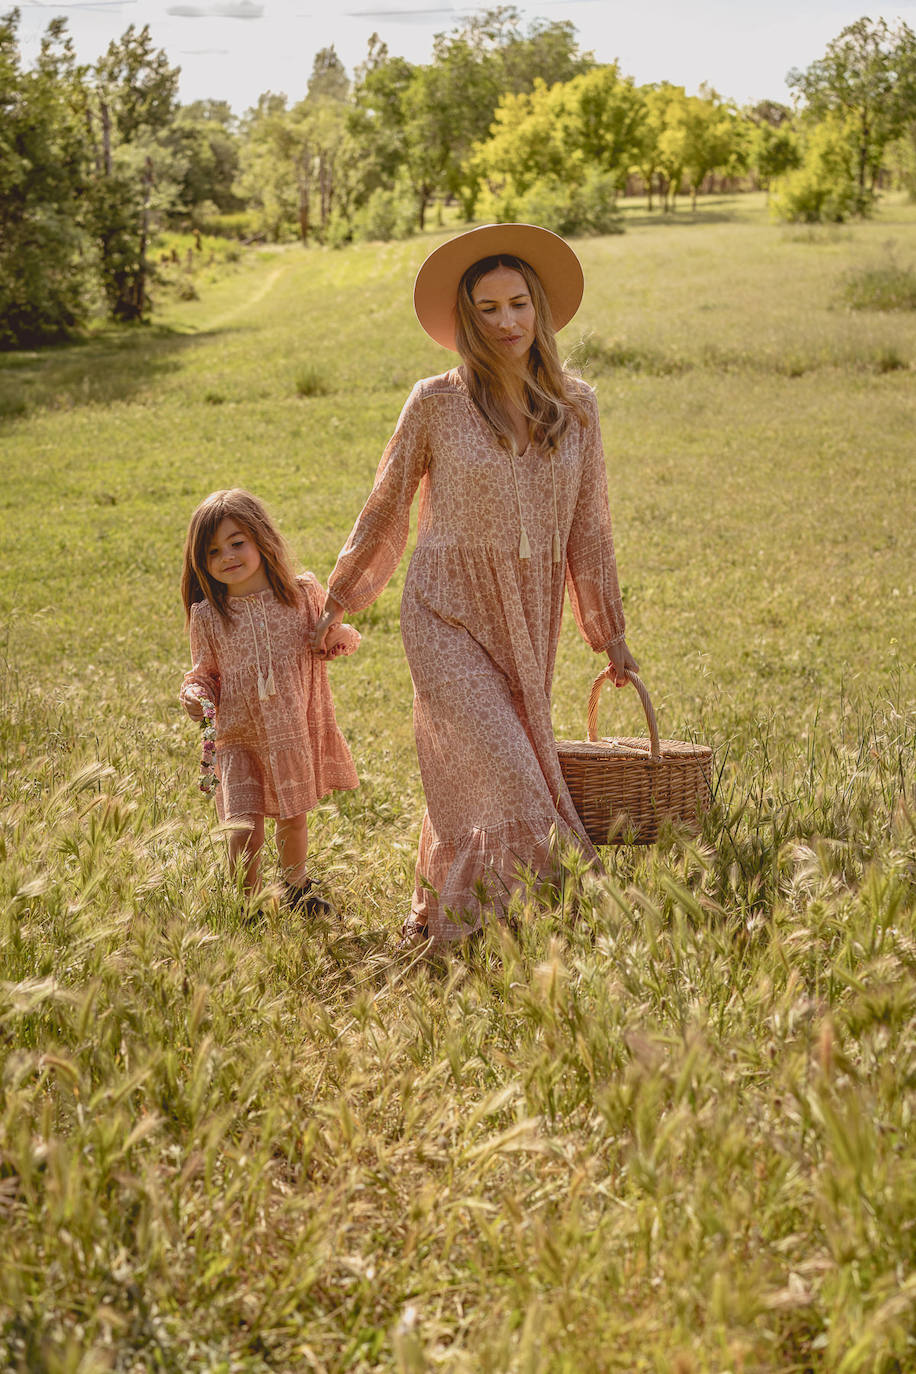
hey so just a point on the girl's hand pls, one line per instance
(619, 660)
(332, 614)
(191, 703)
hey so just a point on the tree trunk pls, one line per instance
(106, 137)
(304, 198)
(139, 283)
(326, 186)
(863, 154)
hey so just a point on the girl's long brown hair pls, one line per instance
(550, 402)
(251, 514)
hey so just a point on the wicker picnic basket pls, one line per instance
(624, 788)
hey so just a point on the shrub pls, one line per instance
(587, 208)
(824, 188)
(311, 381)
(386, 215)
(881, 286)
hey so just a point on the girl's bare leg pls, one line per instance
(245, 844)
(293, 847)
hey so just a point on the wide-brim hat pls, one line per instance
(435, 292)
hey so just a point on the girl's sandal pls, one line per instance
(412, 937)
(301, 898)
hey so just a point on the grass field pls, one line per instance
(676, 1135)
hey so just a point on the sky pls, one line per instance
(235, 50)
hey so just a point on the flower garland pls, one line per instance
(208, 780)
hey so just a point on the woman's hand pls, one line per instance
(332, 614)
(620, 660)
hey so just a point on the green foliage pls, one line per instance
(267, 179)
(886, 285)
(715, 139)
(773, 152)
(43, 159)
(824, 187)
(589, 207)
(132, 100)
(866, 80)
(561, 138)
(204, 138)
(386, 215)
(311, 381)
(901, 161)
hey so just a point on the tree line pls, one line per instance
(505, 123)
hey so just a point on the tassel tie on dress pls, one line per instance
(266, 686)
(524, 546)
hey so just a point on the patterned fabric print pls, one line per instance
(279, 755)
(480, 629)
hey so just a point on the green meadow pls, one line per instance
(666, 1124)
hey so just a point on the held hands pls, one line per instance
(620, 659)
(324, 641)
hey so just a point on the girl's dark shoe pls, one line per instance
(301, 897)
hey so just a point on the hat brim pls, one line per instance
(435, 292)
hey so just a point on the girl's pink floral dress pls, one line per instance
(480, 627)
(278, 746)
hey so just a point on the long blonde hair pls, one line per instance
(549, 401)
(251, 514)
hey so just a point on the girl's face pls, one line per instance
(506, 311)
(234, 559)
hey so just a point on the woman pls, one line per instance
(506, 451)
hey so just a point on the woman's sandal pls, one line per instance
(300, 897)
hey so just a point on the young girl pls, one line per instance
(278, 748)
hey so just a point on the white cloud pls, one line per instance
(222, 9)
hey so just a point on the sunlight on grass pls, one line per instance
(662, 1120)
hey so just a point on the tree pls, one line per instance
(563, 132)
(667, 107)
(43, 165)
(320, 122)
(712, 138)
(646, 143)
(524, 145)
(204, 139)
(133, 99)
(599, 116)
(865, 79)
(769, 112)
(376, 119)
(774, 150)
(269, 156)
(824, 186)
(549, 53)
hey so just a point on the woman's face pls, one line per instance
(506, 310)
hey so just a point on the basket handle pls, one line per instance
(595, 694)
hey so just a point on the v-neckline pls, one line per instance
(482, 419)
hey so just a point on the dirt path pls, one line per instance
(254, 299)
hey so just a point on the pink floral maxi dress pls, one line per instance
(278, 746)
(480, 627)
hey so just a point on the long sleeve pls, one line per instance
(203, 678)
(591, 568)
(343, 639)
(378, 539)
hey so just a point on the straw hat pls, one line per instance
(435, 291)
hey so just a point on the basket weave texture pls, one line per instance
(624, 788)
